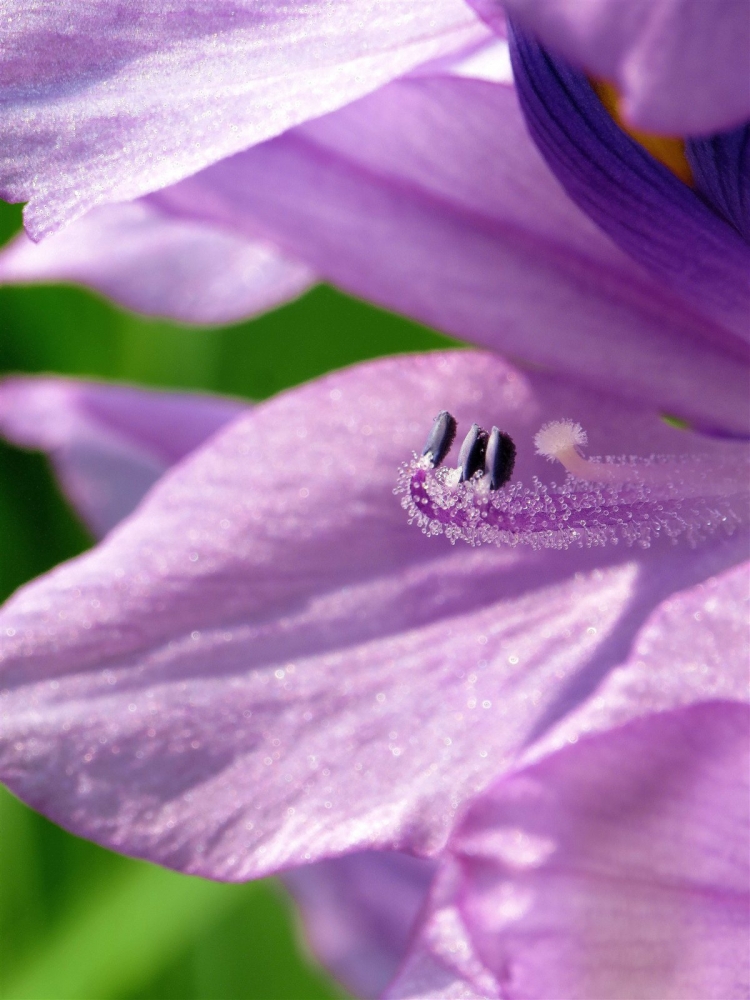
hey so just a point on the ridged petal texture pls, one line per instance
(681, 65)
(265, 665)
(104, 102)
(616, 867)
(721, 167)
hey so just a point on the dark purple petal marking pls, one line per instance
(655, 218)
(440, 438)
(721, 169)
(500, 459)
(471, 455)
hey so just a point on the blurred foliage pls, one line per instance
(77, 921)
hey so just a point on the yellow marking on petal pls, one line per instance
(666, 149)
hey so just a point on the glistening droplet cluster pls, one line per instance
(648, 499)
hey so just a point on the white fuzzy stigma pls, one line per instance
(558, 437)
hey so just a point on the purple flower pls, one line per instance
(266, 666)
(465, 225)
(104, 104)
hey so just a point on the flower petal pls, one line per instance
(442, 963)
(430, 199)
(160, 265)
(105, 103)
(359, 911)
(681, 66)
(721, 167)
(615, 867)
(656, 218)
(690, 649)
(266, 665)
(109, 444)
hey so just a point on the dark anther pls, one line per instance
(499, 459)
(471, 455)
(440, 438)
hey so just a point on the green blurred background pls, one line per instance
(78, 922)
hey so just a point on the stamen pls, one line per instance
(500, 458)
(440, 439)
(471, 455)
(601, 501)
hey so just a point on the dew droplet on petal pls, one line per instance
(601, 501)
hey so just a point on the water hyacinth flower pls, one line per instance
(266, 665)
(208, 80)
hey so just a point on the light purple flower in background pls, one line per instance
(360, 912)
(108, 444)
(265, 667)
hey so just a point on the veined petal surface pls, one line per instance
(615, 867)
(104, 102)
(679, 238)
(266, 665)
(160, 265)
(721, 167)
(109, 444)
